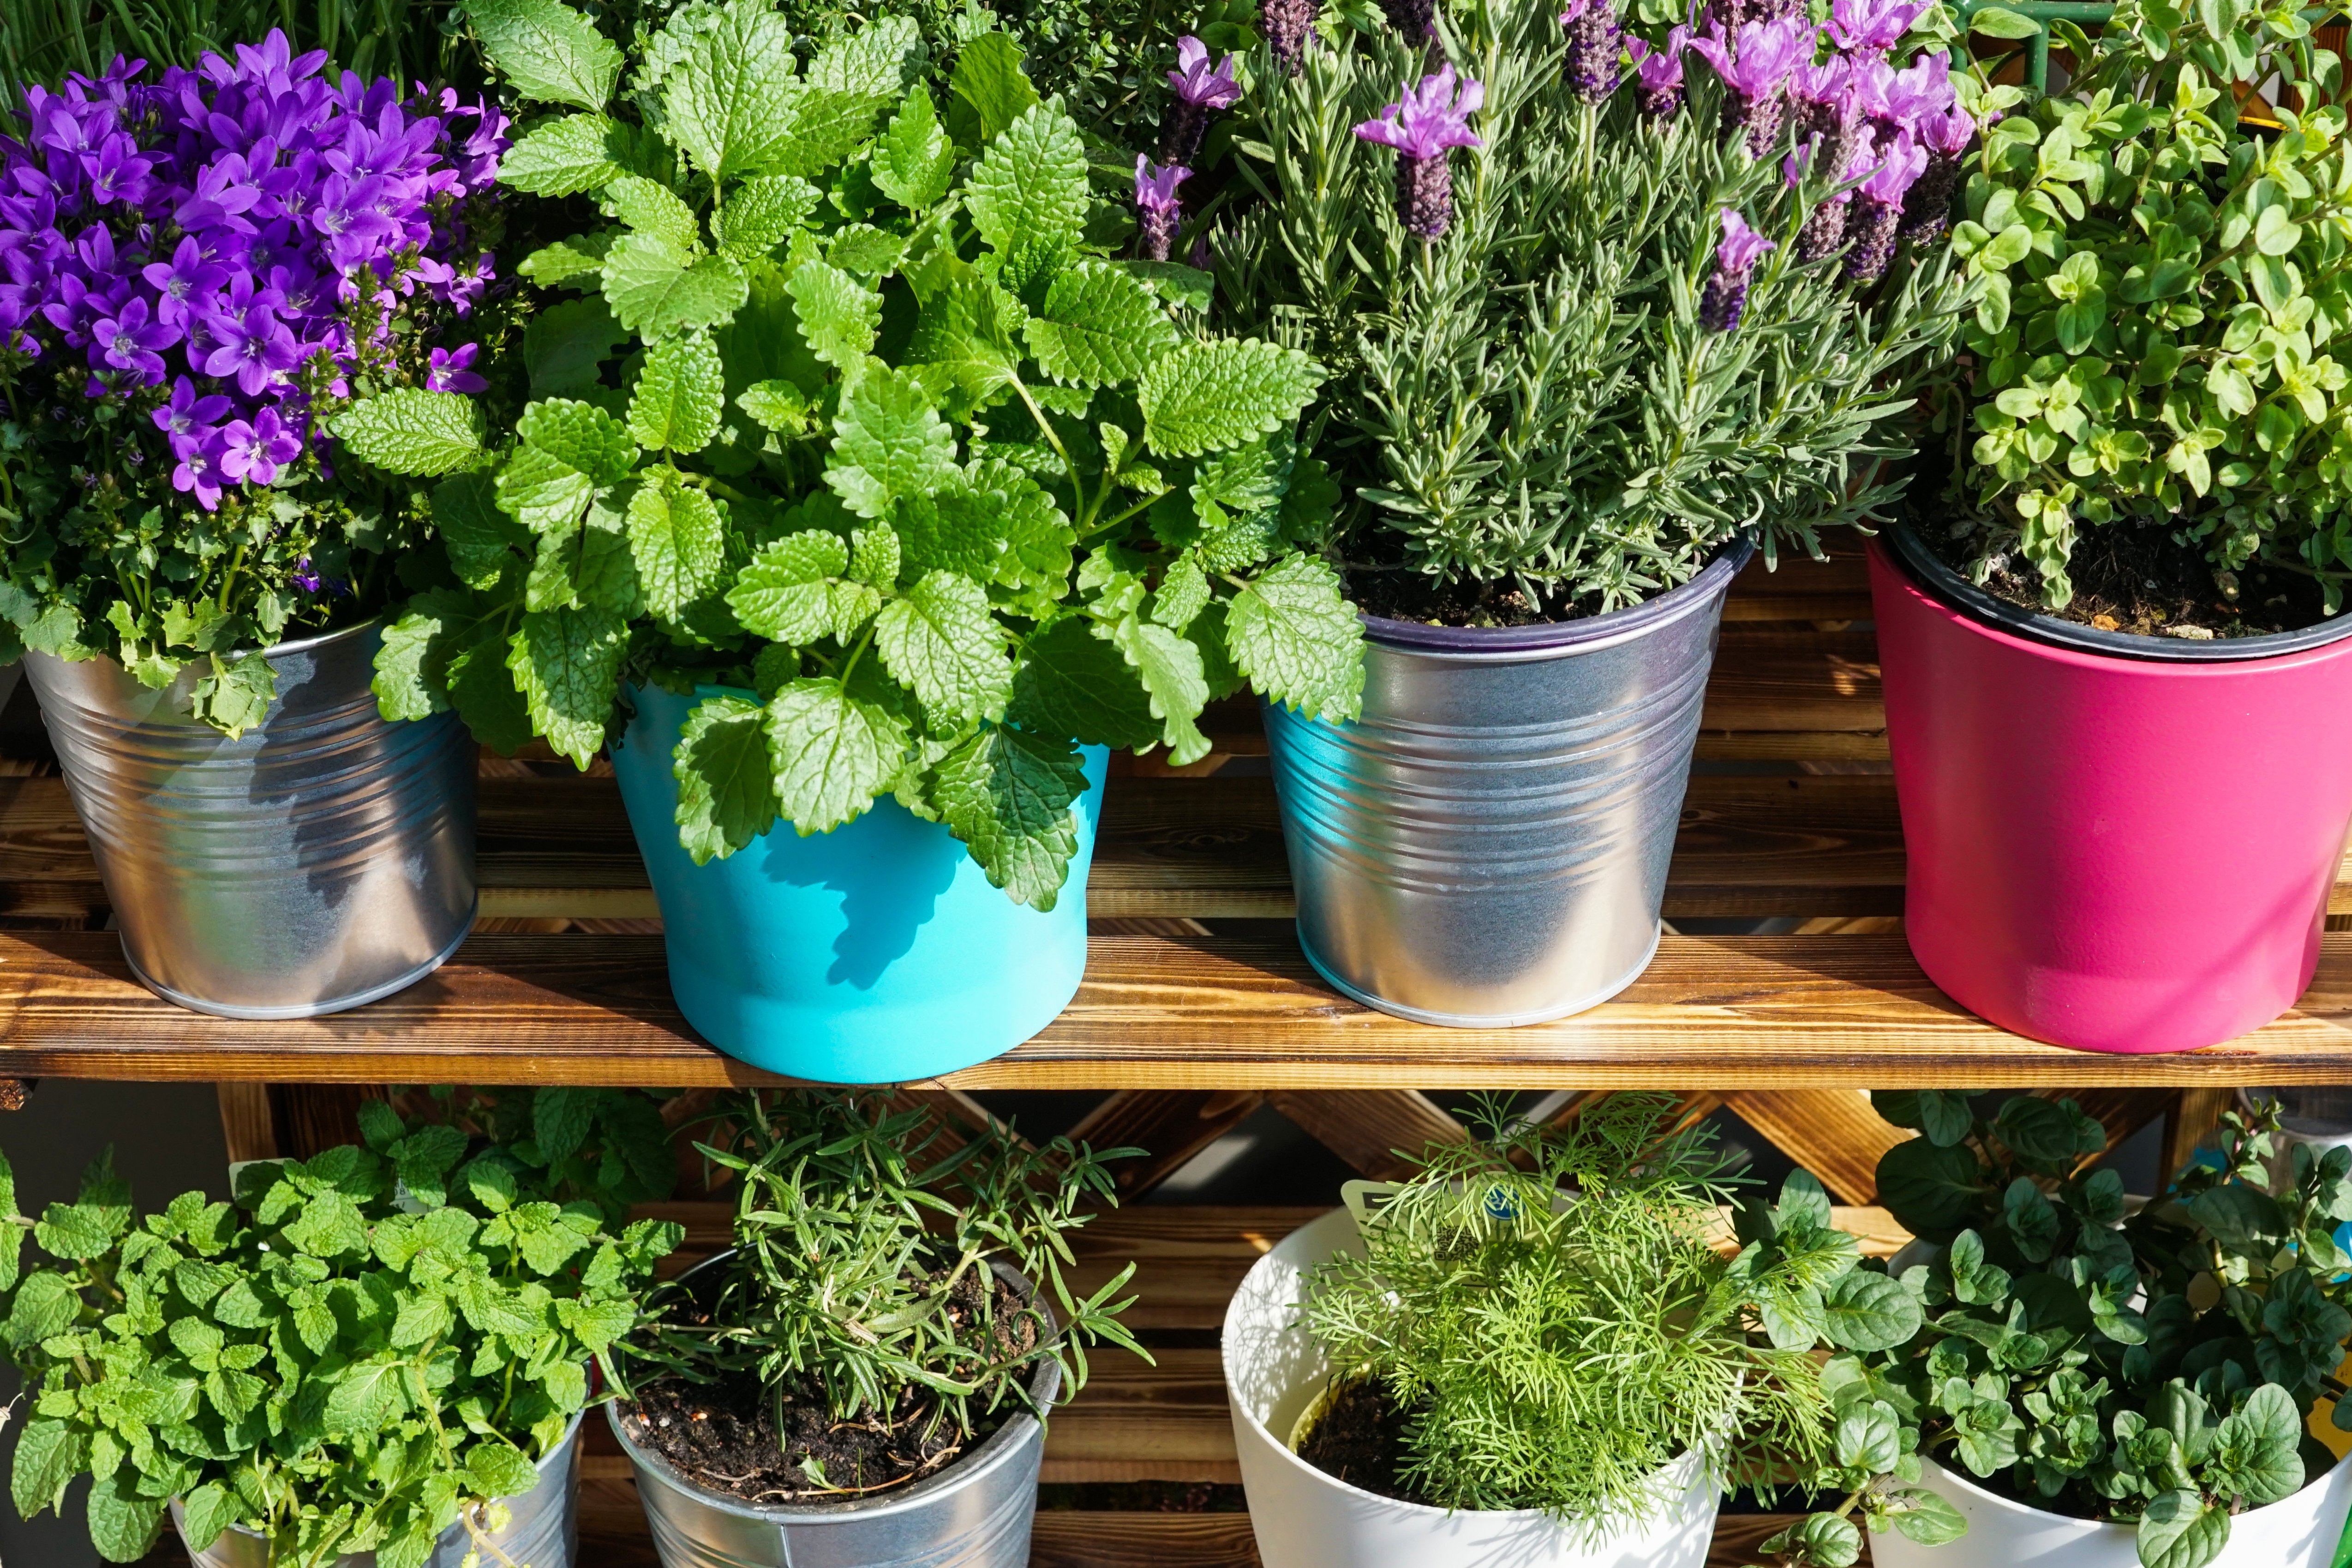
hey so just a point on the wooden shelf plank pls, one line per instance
(1213, 1012)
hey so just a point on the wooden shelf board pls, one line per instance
(1224, 1012)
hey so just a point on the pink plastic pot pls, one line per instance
(2106, 852)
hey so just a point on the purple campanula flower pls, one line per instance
(1878, 207)
(1872, 26)
(187, 420)
(1927, 205)
(131, 341)
(1755, 64)
(454, 372)
(185, 278)
(257, 448)
(1158, 208)
(199, 472)
(1199, 93)
(1421, 125)
(1288, 27)
(1596, 45)
(1736, 255)
(117, 174)
(1658, 74)
(306, 579)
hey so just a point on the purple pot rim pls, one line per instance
(1711, 581)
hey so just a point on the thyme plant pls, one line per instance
(1624, 323)
(866, 1240)
(2155, 1369)
(364, 1350)
(1556, 1354)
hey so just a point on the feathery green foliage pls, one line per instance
(1550, 1311)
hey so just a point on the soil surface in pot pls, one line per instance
(1401, 595)
(1360, 1440)
(731, 1436)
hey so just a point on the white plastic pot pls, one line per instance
(2298, 1532)
(1305, 1519)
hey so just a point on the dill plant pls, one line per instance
(1555, 1354)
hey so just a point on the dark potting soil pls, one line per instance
(1360, 1440)
(730, 1437)
(1399, 595)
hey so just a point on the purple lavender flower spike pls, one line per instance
(1658, 74)
(1920, 89)
(1199, 93)
(1415, 19)
(1596, 44)
(1288, 27)
(451, 372)
(1814, 95)
(1928, 206)
(1872, 26)
(1421, 125)
(1158, 206)
(1754, 65)
(1736, 255)
(1879, 207)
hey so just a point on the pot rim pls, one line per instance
(997, 1448)
(1565, 638)
(1977, 1492)
(271, 650)
(1909, 553)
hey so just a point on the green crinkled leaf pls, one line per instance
(1175, 679)
(596, 1324)
(45, 1305)
(548, 51)
(838, 315)
(1173, 281)
(1007, 795)
(1298, 642)
(1031, 184)
(680, 543)
(913, 158)
(563, 157)
(2180, 1530)
(76, 1232)
(940, 640)
(680, 395)
(567, 664)
(726, 785)
(123, 1525)
(784, 593)
(864, 251)
(730, 103)
(592, 565)
(581, 436)
(832, 754)
(365, 1397)
(497, 1470)
(990, 89)
(655, 289)
(409, 430)
(880, 61)
(652, 208)
(566, 344)
(762, 214)
(1222, 393)
(48, 1456)
(569, 261)
(205, 1512)
(889, 441)
(1098, 326)
(974, 329)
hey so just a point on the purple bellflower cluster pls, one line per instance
(1596, 43)
(1158, 210)
(1421, 125)
(243, 233)
(1199, 93)
(1736, 255)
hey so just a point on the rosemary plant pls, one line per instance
(1556, 1354)
(866, 1242)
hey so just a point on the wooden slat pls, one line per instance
(2191, 1123)
(1833, 1133)
(248, 1126)
(1139, 1423)
(1221, 1011)
(1374, 1129)
(1169, 1125)
(1092, 1538)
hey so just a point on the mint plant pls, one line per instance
(1548, 1309)
(366, 1349)
(2162, 299)
(859, 424)
(2155, 1369)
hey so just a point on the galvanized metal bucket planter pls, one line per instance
(324, 859)
(542, 1528)
(1488, 845)
(975, 1513)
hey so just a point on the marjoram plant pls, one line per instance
(868, 1245)
(200, 271)
(1634, 317)
(892, 454)
(1550, 1310)
(2155, 1369)
(367, 1348)
(2162, 278)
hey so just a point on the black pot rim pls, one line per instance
(1948, 587)
(1547, 636)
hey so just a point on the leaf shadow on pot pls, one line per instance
(890, 867)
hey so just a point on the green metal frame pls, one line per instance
(2088, 14)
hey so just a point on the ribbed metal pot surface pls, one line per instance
(1488, 845)
(975, 1513)
(322, 860)
(542, 1527)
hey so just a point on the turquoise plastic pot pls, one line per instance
(874, 953)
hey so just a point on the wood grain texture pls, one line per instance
(1090, 1538)
(248, 1125)
(1374, 1130)
(1169, 1125)
(1833, 1133)
(1135, 1422)
(1216, 1012)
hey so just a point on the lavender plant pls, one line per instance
(201, 270)
(1583, 349)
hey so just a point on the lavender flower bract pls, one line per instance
(1288, 24)
(1736, 255)
(1596, 44)
(1158, 209)
(1658, 74)
(1199, 93)
(1872, 26)
(1880, 207)
(1928, 206)
(1755, 63)
(1421, 125)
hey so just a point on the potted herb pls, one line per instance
(1530, 1351)
(2122, 611)
(2108, 1387)
(1594, 332)
(385, 1349)
(864, 1377)
(860, 492)
(204, 268)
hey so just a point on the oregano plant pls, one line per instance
(843, 416)
(363, 1351)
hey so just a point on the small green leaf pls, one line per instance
(1175, 679)
(679, 542)
(784, 594)
(1999, 22)
(412, 431)
(656, 288)
(989, 88)
(839, 316)
(831, 752)
(1007, 793)
(913, 158)
(567, 343)
(1298, 642)
(581, 436)
(730, 102)
(568, 261)
(940, 641)
(762, 214)
(548, 51)
(2180, 1530)
(653, 209)
(1031, 184)
(567, 664)
(1222, 393)
(123, 1525)
(562, 157)
(726, 785)
(1869, 1311)
(680, 395)
(1098, 327)
(889, 441)
(48, 1456)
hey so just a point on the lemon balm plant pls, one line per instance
(859, 431)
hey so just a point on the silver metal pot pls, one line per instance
(1488, 845)
(542, 1527)
(975, 1513)
(320, 861)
